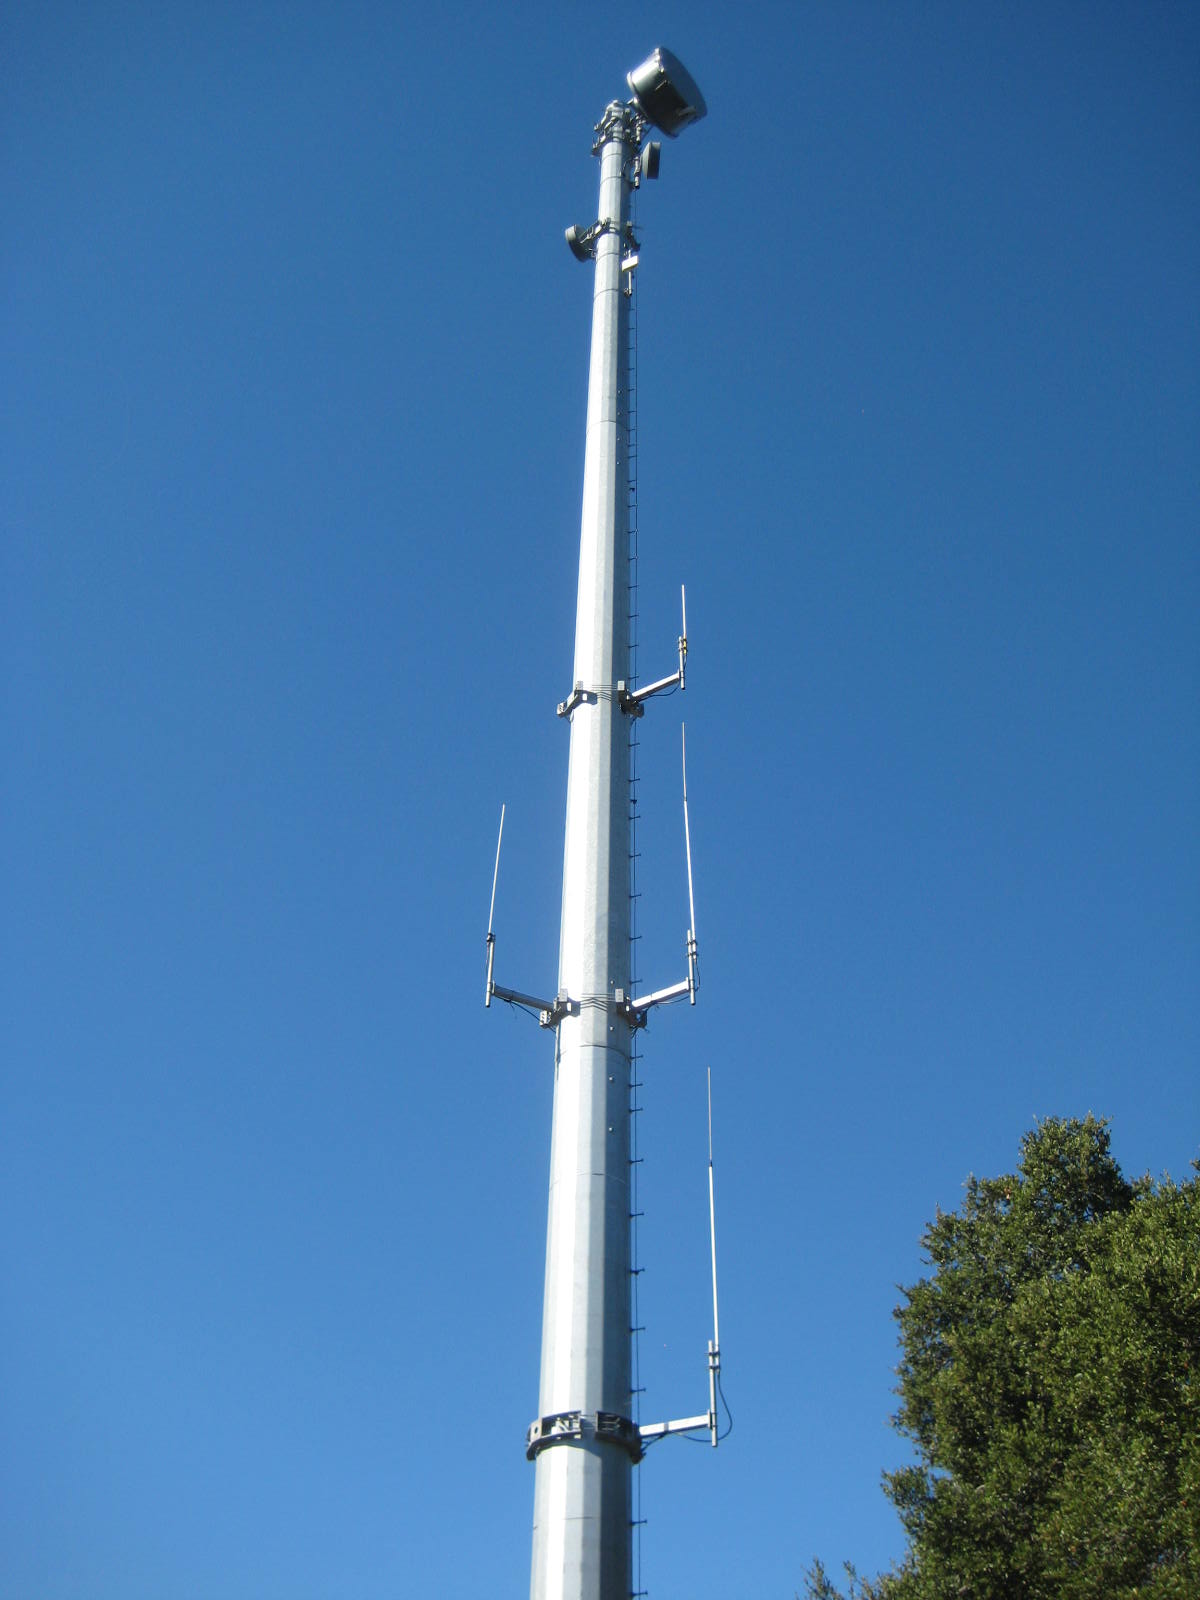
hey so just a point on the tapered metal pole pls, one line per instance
(582, 1540)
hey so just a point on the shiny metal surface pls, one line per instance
(582, 1545)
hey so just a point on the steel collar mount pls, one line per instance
(571, 1427)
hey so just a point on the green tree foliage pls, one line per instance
(1048, 1382)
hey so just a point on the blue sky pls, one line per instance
(294, 378)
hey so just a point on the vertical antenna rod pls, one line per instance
(683, 636)
(491, 937)
(692, 980)
(714, 1348)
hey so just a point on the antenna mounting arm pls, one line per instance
(660, 1430)
(688, 987)
(550, 1012)
(631, 699)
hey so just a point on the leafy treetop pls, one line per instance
(1048, 1383)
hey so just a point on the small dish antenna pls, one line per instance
(665, 92)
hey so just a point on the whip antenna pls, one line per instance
(712, 1218)
(692, 979)
(683, 635)
(706, 1421)
(714, 1348)
(491, 937)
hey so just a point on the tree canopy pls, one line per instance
(1048, 1383)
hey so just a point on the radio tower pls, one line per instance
(584, 1442)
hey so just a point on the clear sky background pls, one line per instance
(294, 369)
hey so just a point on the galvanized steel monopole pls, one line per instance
(585, 1441)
